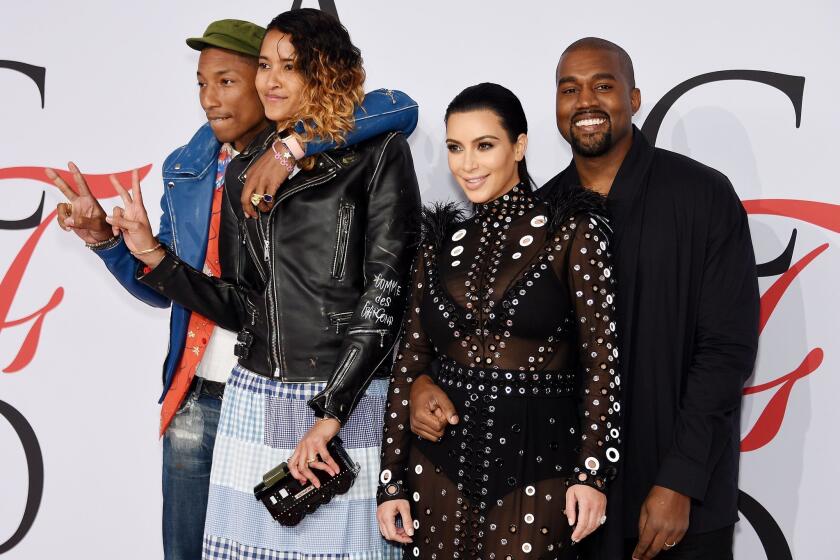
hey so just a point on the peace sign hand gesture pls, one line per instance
(83, 214)
(133, 222)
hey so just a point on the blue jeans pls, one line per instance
(187, 456)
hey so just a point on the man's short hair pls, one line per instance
(596, 43)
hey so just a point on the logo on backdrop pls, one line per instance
(817, 213)
(9, 286)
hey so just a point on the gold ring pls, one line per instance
(310, 461)
(68, 209)
(256, 199)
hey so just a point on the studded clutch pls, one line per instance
(288, 501)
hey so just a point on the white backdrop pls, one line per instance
(120, 93)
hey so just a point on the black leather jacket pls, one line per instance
(317, 287)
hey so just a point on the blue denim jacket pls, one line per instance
(189, 174)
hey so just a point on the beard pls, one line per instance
(591, 145)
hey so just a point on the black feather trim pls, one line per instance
(565, 203)
(439, 219)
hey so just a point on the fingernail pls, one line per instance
(571, 522)
(109, 219)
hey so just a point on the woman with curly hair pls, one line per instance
(315, 286)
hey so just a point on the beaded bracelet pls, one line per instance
(109, 243)
(285, 155)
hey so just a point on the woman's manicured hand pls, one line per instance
(585, 507)
(387, 514)
(311, 452)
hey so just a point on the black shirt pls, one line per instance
(688, 317)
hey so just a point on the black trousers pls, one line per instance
(714, 545)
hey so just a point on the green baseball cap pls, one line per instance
(234, 35)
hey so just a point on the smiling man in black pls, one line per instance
(687, 310)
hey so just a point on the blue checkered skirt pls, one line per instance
(260, 424)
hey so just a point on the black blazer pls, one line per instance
(688, 316)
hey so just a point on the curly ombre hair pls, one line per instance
(331, 66)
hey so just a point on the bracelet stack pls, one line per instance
(284, 155)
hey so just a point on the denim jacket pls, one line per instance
(189, 174)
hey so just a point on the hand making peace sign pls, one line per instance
(133, 222)
(82, 214)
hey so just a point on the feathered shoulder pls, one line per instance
(565, 203)
(439, 218)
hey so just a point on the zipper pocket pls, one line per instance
(381, 332)
(338, 319)
(342, 239)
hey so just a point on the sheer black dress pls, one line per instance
(517, 305)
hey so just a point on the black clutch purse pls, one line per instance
(288, 501)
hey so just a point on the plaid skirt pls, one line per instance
(260, 424)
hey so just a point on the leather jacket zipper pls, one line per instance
(272, 301)
(345, 366)
(373, 370)
(381, 332)
(342, 239)
(271, 307)
(338, 319)
(246, 240)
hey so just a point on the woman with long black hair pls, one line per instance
(517, 305)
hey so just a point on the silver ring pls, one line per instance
(603, 519)
(668, 545)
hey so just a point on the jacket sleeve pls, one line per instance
(382, 110)
(221, 300)
(724, 348)
(123, 266)
(392, 234)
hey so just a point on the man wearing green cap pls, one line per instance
(200, 356)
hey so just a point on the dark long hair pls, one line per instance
(501, 101)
